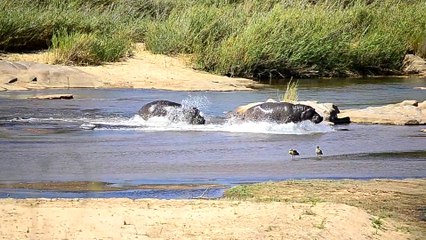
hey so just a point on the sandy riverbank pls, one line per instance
(318, 216)
(143, 70)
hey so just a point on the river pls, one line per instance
(45, 140)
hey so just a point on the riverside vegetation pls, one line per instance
(245, 38)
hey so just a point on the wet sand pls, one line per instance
(90, 186)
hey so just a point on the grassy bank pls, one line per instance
(252, 38)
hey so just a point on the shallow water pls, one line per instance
(46, 140)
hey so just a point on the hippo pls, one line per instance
(281, 112)
(174, 111)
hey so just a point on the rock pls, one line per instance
(409, 103)
(422, 105)
(53, 96)
(408, 112)
(412, 122)
(13, 80)
(413, 64)
(32, 75)
(87, 126)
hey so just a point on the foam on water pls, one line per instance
(230, 125)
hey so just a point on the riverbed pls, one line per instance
(50, 141)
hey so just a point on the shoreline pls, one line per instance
(97, 186)
(100, 186)
(143, 70)
(324, 209)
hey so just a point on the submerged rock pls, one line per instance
(408, 112)
(53, 96)
(87, 126)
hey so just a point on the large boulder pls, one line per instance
(408, 112)
(53, 96)
(24, 75)
(413, 64)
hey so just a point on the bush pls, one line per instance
(87, 49)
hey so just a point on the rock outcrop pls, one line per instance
(54, 96)
(408, 112)
(31, 75)
(413, 64)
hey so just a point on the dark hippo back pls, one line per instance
(172, 110)
(158, 108)
(282, 112)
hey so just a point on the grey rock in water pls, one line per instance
(54, 96)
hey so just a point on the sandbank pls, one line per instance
(143, 70)
(314, 209)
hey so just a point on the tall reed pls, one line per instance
(250, 38)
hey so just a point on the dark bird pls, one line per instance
(293, 152)
(318, 151)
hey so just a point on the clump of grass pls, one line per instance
(377, 223)
(322, 224)
(239, 192)
(87, 48)
(74, 48)
(309, 212)
(291, 93)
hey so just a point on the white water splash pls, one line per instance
(200, 102)
(231, 125)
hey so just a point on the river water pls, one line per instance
(46, 140)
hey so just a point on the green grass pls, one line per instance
(87, 48)
(251, 38)
(291, 93)
(377, 223)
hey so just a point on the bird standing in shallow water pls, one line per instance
(293, 152)
(318, 151)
